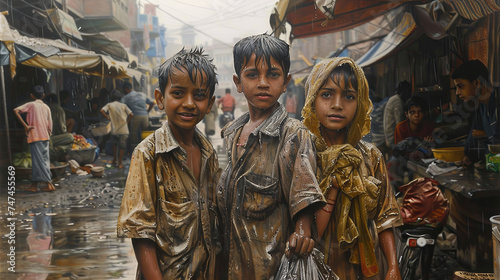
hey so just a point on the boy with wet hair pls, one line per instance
(268, 191)
(168, 207)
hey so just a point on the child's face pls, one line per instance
(261, 84)
(415, 115)
(336, 104)
(185, 103)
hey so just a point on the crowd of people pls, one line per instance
(300, 174)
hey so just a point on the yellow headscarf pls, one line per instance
(342, 163)
(361, 123)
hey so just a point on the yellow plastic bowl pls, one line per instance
(450, 154)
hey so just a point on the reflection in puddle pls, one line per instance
(67, 242)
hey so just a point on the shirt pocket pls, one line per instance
(178, 227)
(260, 196)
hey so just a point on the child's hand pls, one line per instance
(28, 129)
(300, 245)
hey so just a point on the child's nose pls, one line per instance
(263, 81)
(336, 102)
(188, 101)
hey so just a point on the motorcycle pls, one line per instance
(225, 118)
(425, 211)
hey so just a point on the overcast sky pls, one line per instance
(220, 19)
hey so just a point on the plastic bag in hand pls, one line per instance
(310, 268)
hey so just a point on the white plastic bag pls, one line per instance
(311, 268)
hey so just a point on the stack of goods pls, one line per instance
(80, 143)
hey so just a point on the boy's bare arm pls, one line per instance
(27, 128)
(145, 252)
(129, 117)
(104, 114)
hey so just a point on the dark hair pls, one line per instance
(38, 92)
(195, 61)
(127, 85)
(415, 101)
(471, 70)
(52, 98)
(265, 47)
(228, 90)
(403, 90)
(116, 95)
(347, 72)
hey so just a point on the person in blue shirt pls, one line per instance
(474, 88)
(140, 105)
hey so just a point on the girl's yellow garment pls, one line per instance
(342, 163)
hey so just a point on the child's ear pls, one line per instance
(237, 83)
(159, 98)
(210, 104)
(288, 78)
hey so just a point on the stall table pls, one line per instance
(475, 198)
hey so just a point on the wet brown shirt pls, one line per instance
(261, 190)
(163, 202)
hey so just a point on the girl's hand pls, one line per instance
(300, 245)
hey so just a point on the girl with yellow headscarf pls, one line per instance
(361, 212)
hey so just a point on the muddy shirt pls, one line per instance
(262, 189)
(163, 202)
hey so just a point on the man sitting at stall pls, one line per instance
(60, 140)
(474, 88)
(415, 125)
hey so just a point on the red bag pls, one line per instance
(424, 204)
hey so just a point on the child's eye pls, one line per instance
(200, 95)
(350, 96)
(274, 74)
(251, 75)
(177, 93)
(325, 94)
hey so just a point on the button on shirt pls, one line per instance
(137, 101)
(261, 191)
(163, 202)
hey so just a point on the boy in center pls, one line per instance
(268, 191)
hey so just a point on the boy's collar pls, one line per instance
(165, 141)
(269, 127)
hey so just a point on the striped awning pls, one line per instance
(474, 10)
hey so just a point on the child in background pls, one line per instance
(119, 114)
(415, 125)
(361, 208)
(268, 189)
(168, 206)
(38, 129)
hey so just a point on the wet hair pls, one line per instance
(347, 73)
(38, 92)
(196, 62)
(415, 101)
(228, 90)
(116, 95)
(265, 47)
(127, 85)
(471, 70)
